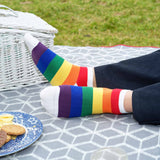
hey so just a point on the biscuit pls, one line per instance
(8, 138)
(3, 137)
(13, 129)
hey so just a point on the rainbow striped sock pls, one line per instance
(73, 101)
(57, 70)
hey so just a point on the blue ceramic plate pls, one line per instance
(33, 128)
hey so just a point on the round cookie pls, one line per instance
(8, 138)
(3, 137)
(13, 129)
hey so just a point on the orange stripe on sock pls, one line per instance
(73, 76)
(107, 100)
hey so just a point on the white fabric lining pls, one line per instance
(90, 77)
(121, 101)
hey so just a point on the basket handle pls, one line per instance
(15, 14)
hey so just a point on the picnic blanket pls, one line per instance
(79, 138)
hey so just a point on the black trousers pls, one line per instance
(142, 75)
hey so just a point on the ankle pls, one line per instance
(94, 79)
(128, 101)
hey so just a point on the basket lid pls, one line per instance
(24, 21)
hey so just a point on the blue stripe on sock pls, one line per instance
(45, 59)
(76, 101)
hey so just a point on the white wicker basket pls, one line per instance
(16, 66)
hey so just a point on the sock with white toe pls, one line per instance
(57, 70)
(73, 101)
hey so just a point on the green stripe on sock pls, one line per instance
(87, 101)
(53, 67)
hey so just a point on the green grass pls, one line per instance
(98, 22)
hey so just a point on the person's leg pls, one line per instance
(146, 104)
(130, 74)
(73, 101)
(57, 70)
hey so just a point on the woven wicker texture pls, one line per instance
(16, 65)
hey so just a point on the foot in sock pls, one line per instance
(57, 70)
(73, 101)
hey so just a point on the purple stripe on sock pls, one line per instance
(38, 51)
(64, 101)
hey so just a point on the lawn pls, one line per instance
(98, 22)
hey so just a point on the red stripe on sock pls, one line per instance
(82, 78)
(115, 101)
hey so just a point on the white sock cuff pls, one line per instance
(30, 41)
(50, 99)
(90, 77)
(121, 101)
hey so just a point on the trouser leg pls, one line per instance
(146, 104)
(130, 74)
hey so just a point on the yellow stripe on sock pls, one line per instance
(97, 101)
(61, 74)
